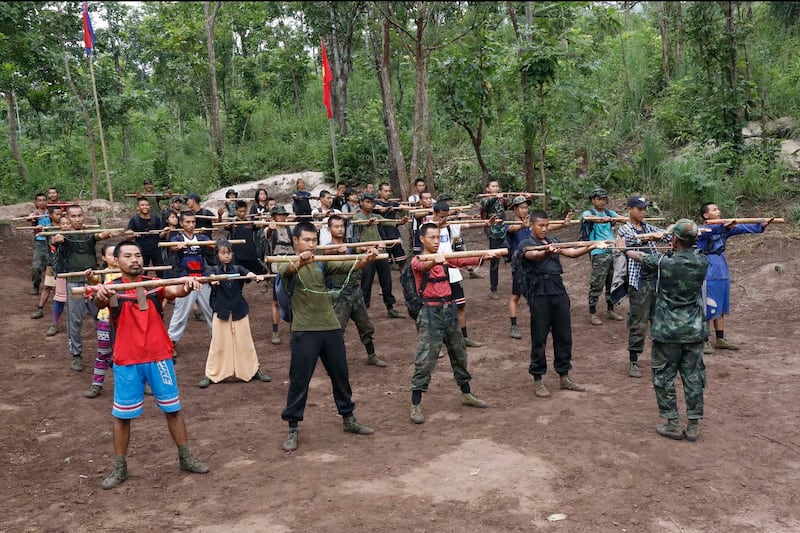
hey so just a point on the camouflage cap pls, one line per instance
(366, 196)
(598, 191)
(519, 200)
(445, 197)
(685, 230)
(279, 210)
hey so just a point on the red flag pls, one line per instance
(88, 31)
(327, 78)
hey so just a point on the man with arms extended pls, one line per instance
(145, 223)
(678, 328)
(142, 354)
(316, 332)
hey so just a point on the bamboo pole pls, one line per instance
(573, 244)
(82, 273)
(171, 244)
(240, 223)
(772, 220)
(149, 194)
(324, 258)
(79, 231)
(384, 244)
(43, 227)
(418, 210)
(469, 253)
(206, 217)
(100, 128)
(153, 283)
(384, 221)
(619, 219)
(490, 194)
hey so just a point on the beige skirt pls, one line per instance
(232, 352)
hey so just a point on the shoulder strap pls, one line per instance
(425, 277)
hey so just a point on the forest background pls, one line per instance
(647, 97)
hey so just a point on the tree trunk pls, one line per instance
(528, 131)
(124, 130)
(543, 147)
(420, 87)
(678, 39)
(477, 140)
(88, 121)
(664, 30)
(396, 163)
(210, 16)
(22, 168)
(732, 117)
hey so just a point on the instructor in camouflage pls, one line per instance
(678, 328)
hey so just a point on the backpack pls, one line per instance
(523, 274)
(587, 228)
(411, 294)
(284, 292)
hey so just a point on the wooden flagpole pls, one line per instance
(100, 127)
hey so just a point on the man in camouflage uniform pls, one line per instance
(678, 329)
(348, 300)
(494, 206)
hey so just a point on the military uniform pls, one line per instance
(496, 234)
(365, 233)
(348, 303)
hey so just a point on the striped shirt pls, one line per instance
(629, 233)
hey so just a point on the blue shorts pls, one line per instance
(718, 298)
(129, 383)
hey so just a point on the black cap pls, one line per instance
(637, 200)
(193, 196)
(231, 191)
(440, 206)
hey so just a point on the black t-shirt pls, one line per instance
(545, 275)
(148, 243)
(246, 251)
(226, 298)
(388, 232)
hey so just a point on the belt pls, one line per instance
(437, 302)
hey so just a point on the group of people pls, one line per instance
(676, 291)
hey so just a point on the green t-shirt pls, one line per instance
(78, 252)
(312, 309)
(369, 232)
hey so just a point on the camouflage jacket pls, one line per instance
(679, 315)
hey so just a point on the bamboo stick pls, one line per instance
(430, 209)
(384, 244)
(240, 223)
(79, 231)
(573, 244)
(206, 217)
(620, 219)
(384, 221)
(152, 283)
(43, 227)
(148, 194)
(81, 273)
(744, 220)
(324, 258)
(468, 253)
(491, 194)
(170, 244)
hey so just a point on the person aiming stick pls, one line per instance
(316, 333)
(549, 304)
(232, 352)
(348, 300)
(142, 354)
(437, 321)
(718, 278)
(678, 328)
(600, 229)
(641, 284)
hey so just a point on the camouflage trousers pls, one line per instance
(437, 325)
(40, 258)
(642, 302)
(349, 304)
(602, 274)
(667, 360)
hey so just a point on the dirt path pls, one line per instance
(593, 456)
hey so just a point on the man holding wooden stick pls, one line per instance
(641, 285)
(143, 354)
(437, 321)
(540, 272)
(189, 259)
(348, 300)
(316, 332)
(366, 224)
(141, 228)
(40, 218)
(718, 278)
(598, 223)
(77, 250)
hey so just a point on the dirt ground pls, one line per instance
(594, 457)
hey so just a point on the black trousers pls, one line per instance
(494, 264)
(384, 278)
(550, 314)
(307, 347)
(154, 257)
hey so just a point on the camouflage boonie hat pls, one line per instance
(519, 200)
(598, 191)
(366, 196)
(685, 230)
(279, 210)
